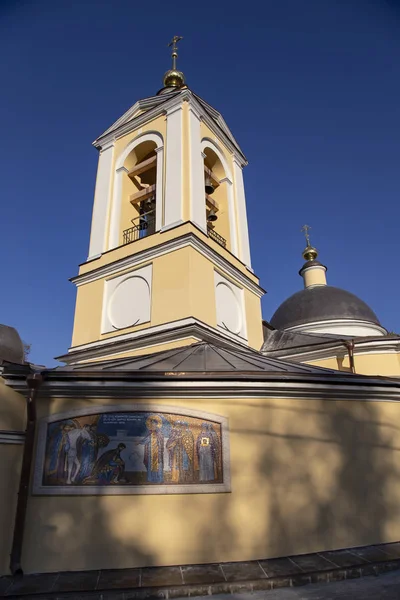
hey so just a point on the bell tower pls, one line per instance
(169, 258)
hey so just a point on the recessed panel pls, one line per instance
(129, 304)
(228, 309)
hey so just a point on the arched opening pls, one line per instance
(138, 207)
(216, 198)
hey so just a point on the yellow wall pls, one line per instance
(307, 475)
(365, 364)
(12, 418)
(182, 287)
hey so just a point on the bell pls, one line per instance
(212, 216)
(209, 186)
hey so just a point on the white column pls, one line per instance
(159, 187)
(173, 200)
(115, 222)
(196, 166)
(231, 215)
(244, 246)
(98, 242)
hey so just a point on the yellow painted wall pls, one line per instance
(307, 475)
(365, 364)
(12, 418)
(182, 287)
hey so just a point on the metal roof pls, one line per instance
(200, 357)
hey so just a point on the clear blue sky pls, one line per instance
(310, 89)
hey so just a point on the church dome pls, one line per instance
(315, 306)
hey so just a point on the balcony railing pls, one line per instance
(143, 226)
(216, 237)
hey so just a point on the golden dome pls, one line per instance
(310, 253)
(174, 78)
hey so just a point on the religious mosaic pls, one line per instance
(132, 449)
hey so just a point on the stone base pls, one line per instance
(203, 580)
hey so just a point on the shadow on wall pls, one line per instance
(307, 475)
(320, 475)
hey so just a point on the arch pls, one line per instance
(148, 136)
(209, 143)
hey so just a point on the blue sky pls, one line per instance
(309, 88)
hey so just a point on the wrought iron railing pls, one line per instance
(143, 225)
(216, 237)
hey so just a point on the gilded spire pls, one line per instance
(309, 253)
(174, 78)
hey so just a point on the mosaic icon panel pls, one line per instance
(132, 448)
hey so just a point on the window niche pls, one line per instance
(216, 199)
(138, 214)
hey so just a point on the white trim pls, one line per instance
(347, 327)
(244, 245)
(196, 170)
(101, 203)
(120, 170)
(173, 200)
(172, 225)
(167, 332)
(335, 350)
(117, 490)
(176, 244)
(159, 187)
(12, 437)
(215, 123)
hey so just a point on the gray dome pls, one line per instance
(321, 303)
(11, 346)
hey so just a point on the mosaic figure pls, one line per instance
(180, 445)
(87, 450)
(58, 448)
(154, 449)
(74, 434)
(109, 468)
(132, 448)
(207, 446)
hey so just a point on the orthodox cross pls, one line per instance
(173, 43)
(306, 229)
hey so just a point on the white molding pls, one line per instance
(101, 202)
(118, 490)
(173, 199)
(12, 437)
(378, 346)
(176, 244)
(218, 128)
(244, 245)
(196, 172)
(347, 327)
(172, 225)
(120, 170)
(167, 332)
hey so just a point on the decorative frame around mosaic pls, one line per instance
(169, 449)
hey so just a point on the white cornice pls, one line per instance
(149, 337)
(186, 240)
(379, 346)
(123, 126)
